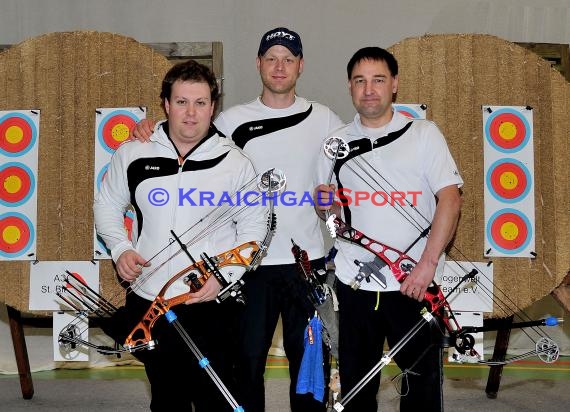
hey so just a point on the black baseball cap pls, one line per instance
(281, 36)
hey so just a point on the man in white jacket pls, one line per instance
(283, 130)
(176, 184)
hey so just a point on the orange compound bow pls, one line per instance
(246, 255)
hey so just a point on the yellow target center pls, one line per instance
(120, 132)
(11, 234)
(13, 184)
(14, 134)
(509, 231)
(507, 130)
(509, 180)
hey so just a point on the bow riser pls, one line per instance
(161, 305)
(401, 265)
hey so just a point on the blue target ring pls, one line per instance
(25, 127)
(521, 128)
(516, 243)
(21, 174)
(407, 111)
(16, 234)
(123, 119)
(518, 171)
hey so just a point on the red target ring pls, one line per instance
(15, 235)
(509, 180)
(509, 231)
(16, 185)
(116, 130)
(407, 111)
(128, 222)
(508, 130)
(16, 134)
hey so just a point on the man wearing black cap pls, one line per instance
(282, 130)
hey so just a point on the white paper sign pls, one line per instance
(75, 325)
(469, 319)
(475, 295)
(48, 278)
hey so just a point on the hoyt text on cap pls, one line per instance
(281, 36)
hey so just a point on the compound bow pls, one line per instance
(400, 264)
(247, 256)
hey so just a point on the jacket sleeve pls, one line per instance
(110, 205)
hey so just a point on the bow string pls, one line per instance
(400, 264)
(86, 301)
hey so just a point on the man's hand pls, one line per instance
(142, 130)
(442, 230)
(417, 282)
(207, 292)
(323, 197)
(129, 265)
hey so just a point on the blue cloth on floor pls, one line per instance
(311, 377)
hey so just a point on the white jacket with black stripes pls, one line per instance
(185, 195)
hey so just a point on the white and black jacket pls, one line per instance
(171, 193)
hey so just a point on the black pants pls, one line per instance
(366, 319)
(271, 291)
(210, 326)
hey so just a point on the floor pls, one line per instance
(525, 386)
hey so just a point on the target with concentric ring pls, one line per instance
(507, 130)
(408, 112)
(101, 176)
(509, 231)
(128, 222)
(114, 129)
(17, 184)
(18, 134)
(509, 180)
(16, 234)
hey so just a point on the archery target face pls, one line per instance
(411, 111)
(129, 217)
(507, 130)
(101, 176)
(509, 180)
(509, 231)
(16, 234)
(18, 134)
(17, 184)
(114, 129)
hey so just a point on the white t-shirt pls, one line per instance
(289, 140)
(407, 170)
